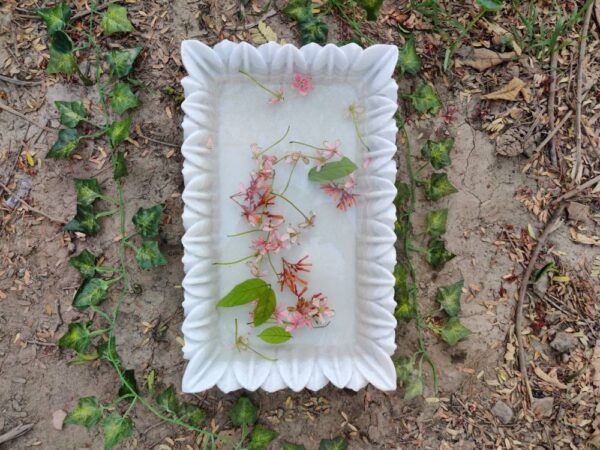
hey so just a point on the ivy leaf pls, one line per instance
(61, 42)
(245, 292)
(261, 437)
(129, 376)
(405, 309)
(491, 5)
(449, 298)
(438, 153)
(333, 170)
(313, 30)
(77, 337)
(108, 351)
(275, 335)
(92, 292)
(413, 387)
(67, 141)
(438, 186)
(191, 414)
(118, 131)
(147, 220)
(85, 263)
(122, 98)
(87, 412)
(435, 222)
(71, 113)
(149, 255)
(402, 196)
(116, 428)
(454, 331)
(82, 358)
(85, 221)
(426, 100)
(243, 412)
(289, 446)
(61, 63)
(408, 58)
(404, 369)
(265, 306)
(167, 400)
(119, 165)
(298, 10)
(337, 443)
(371, 7)
(115, 20)
(437, 255)
(56, 18)
(88, 191)
(121, 61)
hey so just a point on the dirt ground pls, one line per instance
(500, 209)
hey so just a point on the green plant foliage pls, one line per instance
(85, 263)
(261, 437)
(86, 413)
(275, 335)
(118, 131)
(313, 29)
(371, 7)
(413, 387)
(491, 5)
(83, 358)
(264, 307)
(243, 412)
(149, 255)
(71, 113)
(438, 153)
(337, 443)
(425, 100)
(332, 171)
(298, 10)
(437, 255)
(435, 222)
(77, 337)
(449, 298)
(405, 309)
(65, 145)
(92, 292)
(404, 369)
(289, 446)
(129, 376)
(108, 351)
(88, 190)
(167, 400)
(121, 61)
(115, 20)
(119, 165)
(64, 63)
(191, 414)
(115, 429)
(122, 98)
(409, 60)
(245, 292)
(85, 221)
(147, 220)
(402, 195)
(454, 331)
(438, 186)
(56, 18)
(61, 42)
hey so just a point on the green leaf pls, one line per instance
(333, 170)
(243, 412)
(88, 190)
(402, 196)
(71, 113)
(261, 437)
(61, 43)
(121, 61)
(87, 412)
(119, 165)
(108, 351)
(437, 255)
(408, 58)
(298, 10)
(265, 306)
(85, 221)
(85, 263)
(122, 98)
(404, 369)
(149, 255)
(56, 18)
(191, 414)
(491, 5)
(245, 292)
(289, 446)
(167, 400)
(91, 293)
(449, 298)
(116, 428)
(61, 63)
(337, 443)
(438, 153)
(118, 131)
(129, 376)
(77, 337)
(371, 7)
(454, 331)
(426, 100)
(313, 29)
(405, 309)
(115, 20)
(147, 220)
(435, 222)
(413, 386)
(438, 186)
(275, 335)
(549, 267)
(67, 141)
(82, 358)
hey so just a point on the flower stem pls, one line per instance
(231, 263)
(287, 185)
(279, 141)
(358, 133)
(242, 233)
(291, 203)
(277, 95)
(307, 145)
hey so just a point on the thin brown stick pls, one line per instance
(573, 192)
(551, 226)
(578, 166)
(23, 116)
(540, 147)
(15, 433)
(31, 208)
(551, 101)
(19, 82)
(156, 141)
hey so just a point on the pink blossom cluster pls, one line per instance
(300, 82)
(306, 313)
(342, 193)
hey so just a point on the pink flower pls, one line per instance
(255, 269)
(255, 149)
(294, 157)
(303, 83)
(280, 314)
(331, 150)
(297, 320)
(343, 195)
(366, 163)
(261, 246)
(310, 221)
(277, 97)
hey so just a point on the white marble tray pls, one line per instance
(352, 252)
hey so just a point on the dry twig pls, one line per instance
(15, 433)
(19, 82)
(577, 190)
(551, 101)
(31, 208)
(23, 116)
(553, 133)
(156, 141)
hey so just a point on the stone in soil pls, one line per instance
(503, 412)
(542, 407)
(563, 342)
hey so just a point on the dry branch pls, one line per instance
(15, 433)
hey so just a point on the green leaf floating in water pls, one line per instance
(245, 292)
(275, 335)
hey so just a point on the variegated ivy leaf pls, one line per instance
(87, 412)
(491, 5)
(122, 98)
(275, 335)
(333, 170)
(85, 263)
(149, 255)
(337, 443)
(67, 141)
(121, 61)
(371, 7)
(438, 153)
(77, 337)
(129, 376)
(243, 412)
(438, 186)
(413, 386)
(454, 331)
(167, 400)
(404, 369)
(437, 255)
(289, 446)
(191, 414)
(61, 42)
(245, 292)
(435, 222)
(85, 221)
(91, 293)
(313, 29)
(118, 131)
(119, 165)
(449, 298)
(115, 429)
(147, 220)
(108, 351)
(71, 113)
(405, 309)
(298, 10)
(425, 100)
(115, 20)
(88, 190)
(261, 437)
(409, 60)
(64, 63)
(56, 18)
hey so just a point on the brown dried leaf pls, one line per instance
(583, 239)
(596, 365)
(510, 92)
(482, 58)
(549, 379)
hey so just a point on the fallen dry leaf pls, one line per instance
(596, 365)
(502, 35)
(510, 92)
(549, 379)
(481, 58)
(583, 239)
